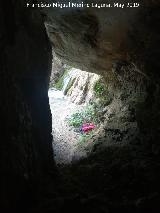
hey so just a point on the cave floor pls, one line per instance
(124, 181)
(119, 178)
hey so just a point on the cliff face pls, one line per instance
(80, 88)
(78, 85)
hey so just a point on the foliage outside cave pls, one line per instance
(93, 110)
(88, 114)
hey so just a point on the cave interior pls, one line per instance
(123, 46)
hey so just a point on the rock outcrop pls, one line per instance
(120, 45)
(57, 69)
(93, 39)
(78, 85)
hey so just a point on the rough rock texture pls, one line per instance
(57, 69)
(122, 116)
(122, 177)
(65, 137)
(26, 141)
(80, 86)
(92, 39)
(123, 40)
(122, 46)
(119, 44)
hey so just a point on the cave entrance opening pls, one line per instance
(71, 93)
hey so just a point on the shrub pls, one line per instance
(75, 119)
(102, 93)
(99, 88)
(88, 114)
(85, 137)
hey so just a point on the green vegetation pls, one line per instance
(85, 137)
(101, 92)
(92, 112)
(88, 114)
(75, 119)
(99, 88)
(69, 85)
(58, 84)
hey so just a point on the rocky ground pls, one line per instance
(64, 137)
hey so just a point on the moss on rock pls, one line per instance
(98, 88)
(69, 85)
(101, 92)
(60, 82)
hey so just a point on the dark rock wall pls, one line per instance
(25, 64)
(91, 40)
(99, 36)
